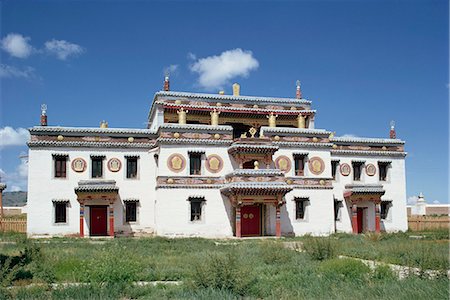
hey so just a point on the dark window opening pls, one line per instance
(337, 208)
(249, 164)
(239, 129)
(195, 160)
(334, 164)
(299, 162)
(60, 212)
(300, 208)
(357, 166)
(130, 212)
(383, 169)
(196, 208)
(384, 209)
(60, 166)
(132, 167)
(97, 167)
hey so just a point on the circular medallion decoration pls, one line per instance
(176, 163)
(316, 165)
(345, 169)
(283, 163)
(78, 164)
(214, 163)
(371, 169)
(114, 165)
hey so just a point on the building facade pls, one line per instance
(214, 166)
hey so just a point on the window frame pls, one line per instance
(386, 167)
(334, 167)
(127, 213)
(197, 201)
(59, 207)
(354, 168)
(193, 157)
(127, 171)
(300, 160)
(100, 159)
(59, 160)
(385, 207)
(338, 204)
(304, 201)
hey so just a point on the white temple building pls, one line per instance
(214, 165)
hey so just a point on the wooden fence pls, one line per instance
(422, 223)
(16, 225)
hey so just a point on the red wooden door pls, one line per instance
(98, 220)
(360, 217)
(251, 219)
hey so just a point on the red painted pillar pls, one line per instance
(377, 218)
(278, 222)
(81, 219)
(238, 221)
(354, 218)
(111, 219)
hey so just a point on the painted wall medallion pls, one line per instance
(176, 163)
(345, 169)
(371, 169)
(78, 164)
(114, 165)
(316, 165)
(283, 163)
(214, 163)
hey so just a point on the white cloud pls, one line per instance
(63, 49)
(17, 45)
(436, 202)
(18, 179)
(15, 188)
(191, 56)
(172, 69)
(13, 137)
(7, 71)
(412, 200)
(216, 71)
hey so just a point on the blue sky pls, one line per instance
(362, 63)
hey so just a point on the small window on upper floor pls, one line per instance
(357, 167)
(60, 166)
(132, 165)
(299, 164)
(334, 165)
(195, 163)
(97, 167)
(383, 170)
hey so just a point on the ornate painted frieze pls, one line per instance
(309, 182)
(176, 163)
(316, 165)
(189, 182)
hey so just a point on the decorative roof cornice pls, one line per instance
(253, 172)
(96, 186)
(216, 97)
(368, 153)
(185, 141)
(195, 127)
(37, 144)
(365, 188)
(239, 147)
(237, 109)
(295, 131)
(75, 131)
(303, 144)
(187, 186)
(358, 140)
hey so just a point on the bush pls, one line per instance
(344, 269)
(223, 272)
(320, 248)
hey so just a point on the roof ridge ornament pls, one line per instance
(166, 82)
(298, 93)
(44, 114)
(392, 133)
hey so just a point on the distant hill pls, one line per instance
(14, 198)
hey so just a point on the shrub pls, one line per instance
(344, 269)
(383, 272)
(320, 248)
(223, 272)
(274, 253)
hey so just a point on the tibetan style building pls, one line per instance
(214, 165)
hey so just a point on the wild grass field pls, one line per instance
(225, 269)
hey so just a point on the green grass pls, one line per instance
(252, 268)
